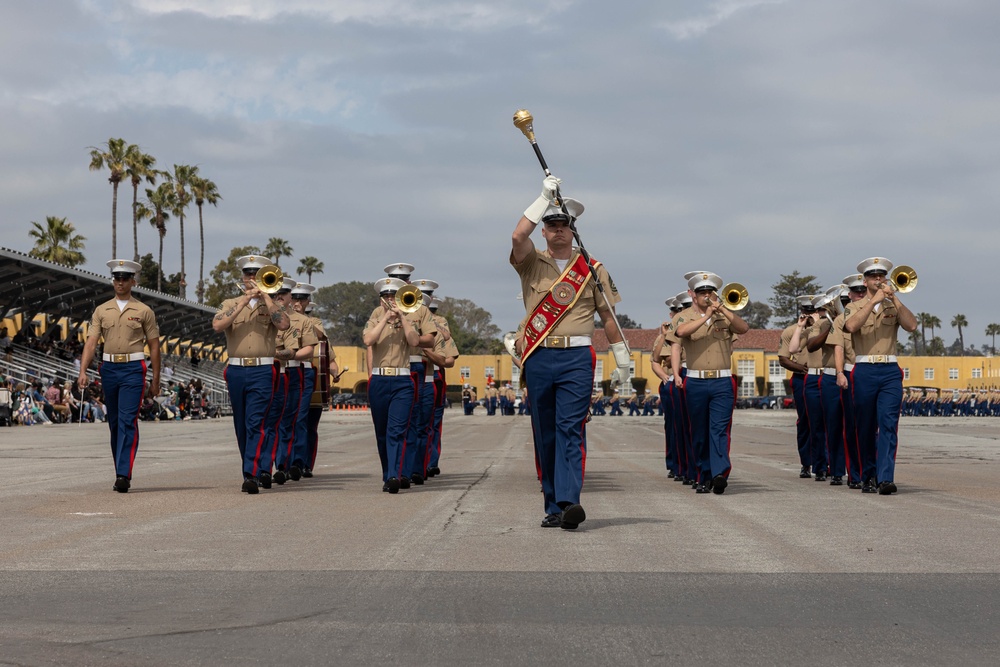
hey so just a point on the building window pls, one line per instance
(465, 372)
(906, 373)
(774, 370)
(746, 369)
(977, 373)
(598, 374)
(928, 373)
(952, 373)
(515, 376)
(489, 372)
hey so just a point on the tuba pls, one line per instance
(903, 278)
(409, 298)
(268, 279)
(734, 296)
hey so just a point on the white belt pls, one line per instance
(670, 379)
(848, 367)
(815, 371)
(709, 375)
(281, 370)
(428, 378)
(306, 364)
(390, 371)
(875, 359)
(566, 341)
(251, 361)
(829, 371)
(416, 359)
(124, 358)
(292, 363)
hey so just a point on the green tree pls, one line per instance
(204, 191)
(276, 249)
(111, 156)
(157, 208)
(471, 327)
(309, 266)
(922, 320)
(149, 272)
(183, 174)
(958, 322)
(226, 277)
(933, 322)
(756, 314)
(992, 330)
(139, 167)
(345, 308)
(57, 242)
(791, 286)
(935, 347)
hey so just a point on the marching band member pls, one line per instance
(443, 356)
(813, 395)
(390, 334)
(682, 421)
(844, 362)
(301, 303)
(873, 324)
(796, 363)
(423, 397)
(561, 300)
(706, 332)
(827, 307)
(251, 323)
(127, 326)
(660, 359)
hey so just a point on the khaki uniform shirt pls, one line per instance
(298, 335)
(391, 349)
(840, 337)
(670, 338)
(252, 333)
(125, 331)
(539, 272)
(786, 341)
(710, 348)
(814, 359)
(661, 354)
(878, 334)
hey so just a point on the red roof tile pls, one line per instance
(768, 340)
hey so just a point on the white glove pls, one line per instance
(622, 362)
(537, 209)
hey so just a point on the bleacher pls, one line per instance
(29, 365)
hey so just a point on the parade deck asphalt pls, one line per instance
(186, 570)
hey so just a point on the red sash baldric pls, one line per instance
(562, 295)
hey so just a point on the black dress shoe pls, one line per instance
(702, 488)
(679, 478)
(122, 484)
(295, 473)
(719, 484)
(670, 474)
(417, 479)
(804, 472)
(886, 488)
(836, 481)
(551, 521)
(392, 486)
(690, 481)
(869, 486)
(404, 482)
(820, 477)
(307, 472)
(279, 477)
(572, 516)
(433, 472)
(854, 485)
(264, 479)
(250, 486)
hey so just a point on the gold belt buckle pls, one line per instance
(249, 361)
(879, 358)
(119, 358)
(389, 371)
(710, 375)
(557, 341)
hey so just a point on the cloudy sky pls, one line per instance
(751, 138)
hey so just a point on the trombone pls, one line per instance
(734, 296)
(408, 298)
(268, 279)
(903, 279)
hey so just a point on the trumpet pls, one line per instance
(734, 296)
(903, 278)
(268, 279)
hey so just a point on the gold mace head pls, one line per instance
(522, 121)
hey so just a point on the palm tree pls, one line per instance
(204, 191)
(933, 322)
(159, 204)
(138, 168)
(309, 266)
(112, 157)
(959, 321)
(182, 182)
(57, 242)
(277, 248)
(922, 319)
(992, 330)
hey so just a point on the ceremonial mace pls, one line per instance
(523, 121)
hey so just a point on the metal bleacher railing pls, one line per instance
(28, 365)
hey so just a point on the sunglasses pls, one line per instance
(122, 277)
(859, 290)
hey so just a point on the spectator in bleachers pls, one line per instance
(60, 410)
(6, 346)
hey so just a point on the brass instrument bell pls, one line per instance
(409, 298)
(734, 296)
(903, 278)
(269, 279)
